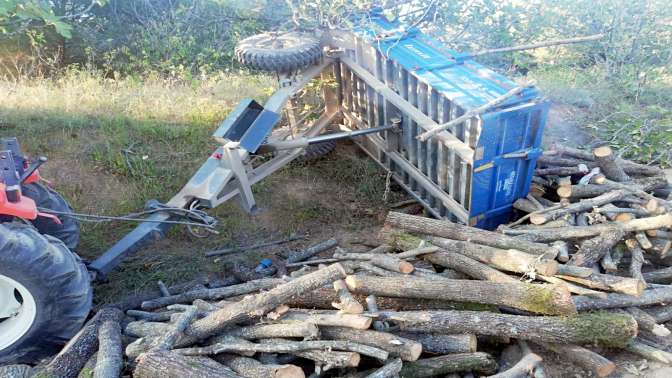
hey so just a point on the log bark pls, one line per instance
(662, 276)
(328, 359)
(544, 299)
(606, 160)
(468, 266)
(262, 303)
(577, 207)
(649, 352)
(305, 330)
(389, 370)
(213, 294)
(166, 364)
(522, 368)
(579, 232)
(636, 259)
(397, 346)
(585, 358)
(574, 289)
(599, 328)
(74, 355)
(286, 347)
(461, 362)
(525, 205)
(449, 230)
(16, 371)
(391, 263)
(251, 368)
(647, 322)
(323, 298)
(167, 341)
(510, 260)
(593, 190)
(648, 297)
(608, 282)
(346, 302)
(312, 251)
(629, 166)
(662, 314)
(110, 359)
(162, 316)
(443, 344)
(592, 250)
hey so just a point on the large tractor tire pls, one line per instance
(45, 294)
(45, 197)
(279, 52)
(317, 151)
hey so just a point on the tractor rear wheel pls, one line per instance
(47, 198)
(45, 294)
(280, 52)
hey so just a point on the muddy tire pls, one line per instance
(45, 294)
(45, 197)
(317, 151)
(279, 52)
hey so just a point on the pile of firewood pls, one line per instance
(577, 275)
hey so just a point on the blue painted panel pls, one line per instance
(509, 146)
(259, 130)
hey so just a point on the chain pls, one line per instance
(387, 186)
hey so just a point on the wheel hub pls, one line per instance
(17, 311)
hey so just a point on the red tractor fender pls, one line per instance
(24, 208)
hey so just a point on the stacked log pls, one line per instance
(573, 275)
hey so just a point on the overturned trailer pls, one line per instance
(392, 85)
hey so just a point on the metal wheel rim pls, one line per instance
(16, 315)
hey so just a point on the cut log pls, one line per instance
(262, 303)
(167, 341)
(522, 368)
(544, 299)
(607, 263)
(397, 346)
(468, 266)
(213, 294)
(305, 330)
(325, 359)
(608, 282)
(563, 250)
(630, 167)
(372, 307)
(455, 231)
(389, 370)
(583, 205)
(166, 364)
(285, 347)
(605, 329)
(16, 371)
(74, 355)
(574, 289)
(663, 276)
(643, 241)
(662, 314)
(322, 298)
(640, 185)
(391, 263)
(648, 297)
(606, 160)
(162, 316)
(110, 359)
(312, 251)
(416, 252)
(251, 368)
(592, 250)
(579, 232)
(647, 322)
(460, 362)
(436, 343)
(649, 352)
(636, 259)
(525, 205)
(585, 358)
(328, 319)
(504, 259)
(347, 303)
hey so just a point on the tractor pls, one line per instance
(461, 139)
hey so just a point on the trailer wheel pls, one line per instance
(279, 52)
(45, 294)
(316, 151)
(45, 197)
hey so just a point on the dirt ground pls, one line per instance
(340, 195)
